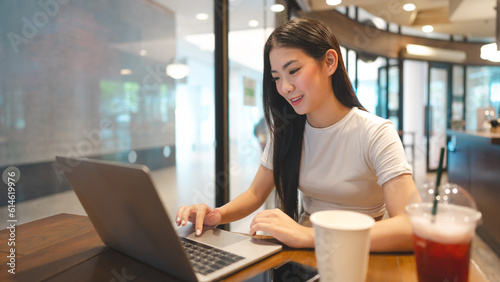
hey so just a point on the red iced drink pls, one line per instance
(442, 242)
(441, 262)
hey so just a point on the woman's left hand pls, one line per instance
(283, 228)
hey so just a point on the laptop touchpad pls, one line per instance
(216, 237)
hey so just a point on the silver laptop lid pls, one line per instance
(126, 211)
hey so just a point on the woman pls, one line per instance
(322, 142)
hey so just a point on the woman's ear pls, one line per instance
(331, 61)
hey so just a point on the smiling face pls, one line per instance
(302, 80)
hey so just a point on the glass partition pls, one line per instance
(415, 99)
(367, 82)
(352, 67)
(393, 112)
(482, 92)
(437, 114)
(249, 26)
(495, 90)
(381, 109)
(458, 94)
(128, 81)
(388, 92)
(343, 50)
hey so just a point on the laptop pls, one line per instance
(127, 213)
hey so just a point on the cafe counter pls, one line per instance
(474, 163)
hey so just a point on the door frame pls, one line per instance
(449, 69)
(383, 104)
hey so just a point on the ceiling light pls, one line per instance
(202, 16)
(143, 52)
(177, 71)
(490, 52)
(427, 28)
(277, 8)
(125, 72)
(409, 7)
(253, 23)
(414, 51)
(421, 50)
(333, 2)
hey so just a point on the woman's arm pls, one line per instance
(241, 206)
(250, 200)
(394, 233)
(389, 235)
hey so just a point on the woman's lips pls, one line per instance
(295, 101)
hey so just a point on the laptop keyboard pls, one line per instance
(206, 259)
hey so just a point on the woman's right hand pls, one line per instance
(199, 214)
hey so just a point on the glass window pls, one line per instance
(479, 39)
(437, 114)
(381, 109)
(341, 9)
(367, 81)
(418, 32)
(415, 95)
(364, 16)
(247, 128)
(482, 92)
(352, 11)
(457, 100)
(344, 56)
(394, 28)
(495, 89)
(352, 66)
(393, 96)
(129, 81)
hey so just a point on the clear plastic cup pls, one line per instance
(442, 240)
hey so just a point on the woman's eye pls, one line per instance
(275, 78)
(294, 71)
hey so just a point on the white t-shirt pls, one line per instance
(343, 166)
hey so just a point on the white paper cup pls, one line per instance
(342, 244)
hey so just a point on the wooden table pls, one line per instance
(66, 247)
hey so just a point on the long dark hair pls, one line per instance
(286, 126)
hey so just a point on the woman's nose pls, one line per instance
(287, 87)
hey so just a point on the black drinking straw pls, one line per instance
(438, 182)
